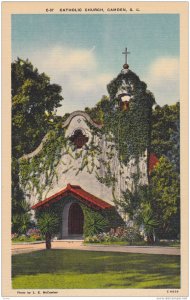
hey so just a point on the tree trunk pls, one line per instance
(48, 240)
(150, 239)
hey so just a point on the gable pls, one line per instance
(77, 192)
(86, 158)
(76, 120)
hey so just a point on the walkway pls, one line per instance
(77, 245)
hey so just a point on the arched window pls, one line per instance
(124, 101)
(79, 139)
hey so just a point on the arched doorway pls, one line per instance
(75, 219)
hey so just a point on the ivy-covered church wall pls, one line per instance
(131, 128)
(114, 158)
(38, 173)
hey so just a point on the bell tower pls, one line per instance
(123, 94)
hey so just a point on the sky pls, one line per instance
(83, 53)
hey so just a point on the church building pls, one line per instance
(88, 173)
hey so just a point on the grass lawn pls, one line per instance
(26, 240)
(70, 269)
(140, 243)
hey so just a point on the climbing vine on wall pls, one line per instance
(126, 134)
(38, 172)
(131, 128)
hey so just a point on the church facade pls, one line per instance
(89, 172)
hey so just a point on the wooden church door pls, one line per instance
(76, 219)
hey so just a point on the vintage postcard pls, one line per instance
(95, 155)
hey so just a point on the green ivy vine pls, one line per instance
(126, 133)
(131, 128)
(43, 165)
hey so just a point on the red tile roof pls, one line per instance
(78, 193)
(153, 160)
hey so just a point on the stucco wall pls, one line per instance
(68, 169)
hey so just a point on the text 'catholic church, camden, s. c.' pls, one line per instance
(89, 173)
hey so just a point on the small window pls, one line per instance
(124, 101)
(79, 139)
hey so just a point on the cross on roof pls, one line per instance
(126, 52)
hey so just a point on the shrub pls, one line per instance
(14, 236)
(21, 222)
(22, 238)
(32, 235)
(120, 234)
(131, 235)
(35, 234)
(94, 222)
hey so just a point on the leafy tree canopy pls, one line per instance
(166, 131)
(157, 205)
(98, 111)
(165, 189)
(34, 100)
(48, 224)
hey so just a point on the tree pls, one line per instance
(174, 153)
(48, 223)
(165, 189)
(97, 113)
(156, 206)
(148, 219)
(139, 208)
(21, 218)
(34, 100)
(165, 132)
(130, 202)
